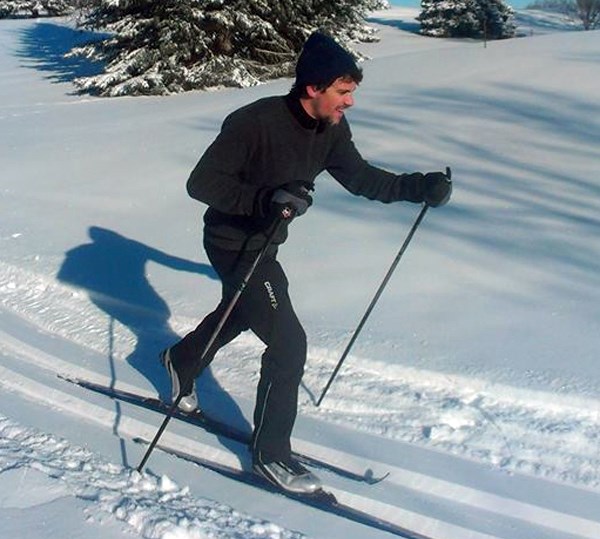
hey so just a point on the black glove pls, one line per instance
(291, 199)
(438, 189)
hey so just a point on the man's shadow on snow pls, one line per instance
(112, 270)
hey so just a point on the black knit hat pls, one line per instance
(322, 61)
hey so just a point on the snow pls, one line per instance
(475, 381)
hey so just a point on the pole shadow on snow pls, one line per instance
(43, 46)
(111, 268)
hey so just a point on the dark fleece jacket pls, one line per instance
(267, 144)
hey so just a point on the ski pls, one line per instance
(215, 426)
(322, 500)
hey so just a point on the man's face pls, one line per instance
(329, 104)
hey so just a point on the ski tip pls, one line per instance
(371, 479)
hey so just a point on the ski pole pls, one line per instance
(269, 240)
(378, 294)
(373, 302)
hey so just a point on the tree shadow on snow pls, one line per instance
(516, 204)
(112, 270)
(533, 22)
(44, 46)
(412, 26)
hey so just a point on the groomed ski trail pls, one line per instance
(122, 423)
(516, 429)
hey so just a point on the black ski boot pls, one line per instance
(288, 474)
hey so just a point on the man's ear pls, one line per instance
(312, 91)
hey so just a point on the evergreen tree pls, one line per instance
(169, 46)
(34, 8)
(588, 12)
(491, 19)
(498, 19)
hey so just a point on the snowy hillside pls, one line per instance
(475, 383)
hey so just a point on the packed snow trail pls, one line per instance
(516, 429)
(37, 381)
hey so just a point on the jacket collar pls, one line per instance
(302, 117)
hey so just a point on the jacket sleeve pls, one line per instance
(218, 178)
(359, 177)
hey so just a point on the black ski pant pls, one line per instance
(265, 308)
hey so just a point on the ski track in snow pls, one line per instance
(547, 435)
(153, 507)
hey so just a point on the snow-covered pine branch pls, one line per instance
(18, 9)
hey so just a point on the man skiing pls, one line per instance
(259, 172)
